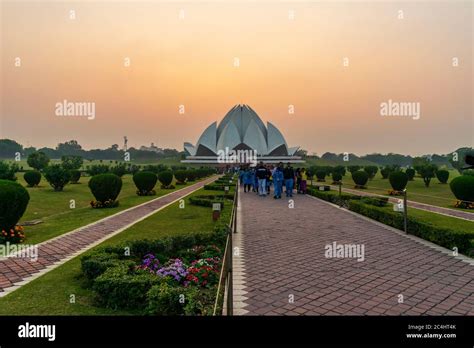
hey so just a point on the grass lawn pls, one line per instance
(50, 294)
(436, 194)
(442, 221)
(53, 208)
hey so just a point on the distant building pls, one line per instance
(241, 130)
(152, 148)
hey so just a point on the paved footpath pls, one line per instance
(15, 272)
(282, 268)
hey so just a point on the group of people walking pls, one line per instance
(261, 178)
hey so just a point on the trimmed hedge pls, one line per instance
(336, 177)
(448, 238)
(75, 176)
(360, 178)
(463, 187)
(32, 178)
(216, 187)
(165, 177)
(180, 176)
(375, 201)
(119, 284)
(14, 199)
(411, 173)
(165, 300)
(398, 180)
(123, 287)
(105, 187)
(321, 175)
(442, 175)
(331, 196)
(145, 182)
(208, 200)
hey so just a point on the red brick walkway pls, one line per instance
(283, 253)
(14, 270)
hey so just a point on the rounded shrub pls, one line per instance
(57, 176)
(105, 187)
(321, 175)
(191, 175)
(463, 188)
(75, 176)
(360, 178)
(165, 177)
(410, 172)
(442, 175)
(32, 177)
(145, 182)
(385, 172)
(398, 180)
(336, 176)
(181, 176)
(14, 199)
(371, 171)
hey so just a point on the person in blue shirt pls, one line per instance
(241, 176)
(289, 176)
(248, 180)
(278, 180)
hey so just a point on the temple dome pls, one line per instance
(241, 128)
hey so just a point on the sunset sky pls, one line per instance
(190, 61)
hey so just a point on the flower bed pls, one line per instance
(169, 276)
(14, 235)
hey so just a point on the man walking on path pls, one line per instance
(289, 176)
(261, 173)
(278, 180)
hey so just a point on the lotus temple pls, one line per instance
(241, 129)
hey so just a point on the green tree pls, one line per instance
(71, 162)
(371, 171)
(57, 176)
(38, 160)
(8, 148)
(353, 169)
(427, 172)
(7, 171)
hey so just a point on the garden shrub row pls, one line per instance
(446, 237)
(120, 280)
(215, 187)
(331, 196)
(208, 200)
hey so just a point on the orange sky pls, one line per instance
(190, 62)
